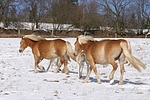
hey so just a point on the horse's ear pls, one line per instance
(77, 40)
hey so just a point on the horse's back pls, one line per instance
(57, 43)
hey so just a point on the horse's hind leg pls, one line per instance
(122, 73)
(122, 70)
(80, 60)
(51, 63)
(81, 66)
(80, 69)
(65, 67)
(111, 76)
(58, 67)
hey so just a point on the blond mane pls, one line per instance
(82, 39)
(34, 37)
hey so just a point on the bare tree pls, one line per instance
(115, 9)
(144, 8)
(35, 9)
(145, 5)
(91, 17)
(5, 6)
(131, 17)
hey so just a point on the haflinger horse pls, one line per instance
(48, 49)
(106, 52)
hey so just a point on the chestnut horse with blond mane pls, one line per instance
(47, 49)
(106, 52)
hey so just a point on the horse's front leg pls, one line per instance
(37, 61)
(35, 64)
(40, 67)
(96, 73)
(88, 75)
(92, 66)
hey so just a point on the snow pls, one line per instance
(18, 82)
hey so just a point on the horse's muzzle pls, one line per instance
(75, 54)
(20, 50)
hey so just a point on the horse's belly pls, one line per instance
(50, 56)
(101, 61)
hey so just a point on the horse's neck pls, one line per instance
(30, 43)
(86, 45)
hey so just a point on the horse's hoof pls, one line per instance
(63, 71)
(35, 72)
(111, 82)
(99, 82)
(120, 83)
(67, 73)
(80, 77)
(85, 81)
(59, 70)
(43, 68)
(55, 71)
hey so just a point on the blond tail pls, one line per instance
(136, 63)
(70, 51)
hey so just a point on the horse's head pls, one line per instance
(23, 45)
(77, 47)
(80, 41)
(27, 40)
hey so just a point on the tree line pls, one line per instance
(84, 14)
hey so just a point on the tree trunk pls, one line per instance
(118, 28)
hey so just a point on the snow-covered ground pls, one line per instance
(18, 82)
